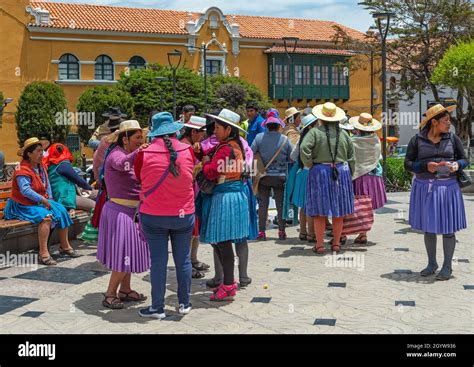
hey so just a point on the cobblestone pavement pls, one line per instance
(366, 289)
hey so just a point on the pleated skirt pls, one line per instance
(437, 206)
(372, 186)
(326, 197)
(120, 247)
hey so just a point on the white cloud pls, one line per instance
(345, 12)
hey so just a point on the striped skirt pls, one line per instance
(437, 206)
(372, 186)
(299, 192)
(326, 197)
(120, 247)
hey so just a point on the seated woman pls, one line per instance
(64, 179)
(31, 201)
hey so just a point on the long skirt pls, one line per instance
(437, 206)
(36, 213)
(120, 247)
(372, 186)
(326, 197)
(299, 192)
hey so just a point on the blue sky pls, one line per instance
(345, 12)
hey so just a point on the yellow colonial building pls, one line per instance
(78, 46)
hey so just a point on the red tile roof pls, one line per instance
(313, 51)
(125, 19)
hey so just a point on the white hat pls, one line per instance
(290, 112)
(196, 122)
(127, 125)
(308, 120)
(328, 112)
(229, 117)
(365, 122)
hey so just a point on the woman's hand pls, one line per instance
(454, 167)
(432, 167)
(206, 159)
(46, 203)
(144, 146)
(197, 147)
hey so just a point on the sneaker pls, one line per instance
(281, 235)
(261, 236)
(224, 293)
(155, 314)
(184, 310)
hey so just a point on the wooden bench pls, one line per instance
(18, 236)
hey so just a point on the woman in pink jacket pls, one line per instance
(165, 170)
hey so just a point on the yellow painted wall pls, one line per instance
(34, 59)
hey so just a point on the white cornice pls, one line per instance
(91, 40)
(85, 82)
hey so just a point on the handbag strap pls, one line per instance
(158, 184)
(277, 152)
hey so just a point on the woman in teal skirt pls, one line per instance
(299, 191)
(31, 201)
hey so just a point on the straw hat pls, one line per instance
(435, 111)
(229, 117)
(196, 122)
(328, 112)
(32, 141)
(290, 112)
(365, 122)
(124, 127)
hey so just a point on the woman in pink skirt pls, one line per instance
(367, 175)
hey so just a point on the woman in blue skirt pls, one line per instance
(329, 153)
(224, 213)
(299, 191)
(32, 201)
(435, 155)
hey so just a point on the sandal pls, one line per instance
(197, 274)
(361, 240)
(311, 239)
(69, 252)
(140, 297)
(335, 248)
(47, 260)
(320, 250)
(199, 266)
(342, 241)
(115, 304)
(303, 237)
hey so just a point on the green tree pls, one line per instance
(455, 70)
(152, 94)
(97, 100)
(40, 112)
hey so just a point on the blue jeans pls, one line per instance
(157, 230)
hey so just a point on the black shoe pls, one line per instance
(429, 270)
(244, 282)
(196, 274)
(444, 274)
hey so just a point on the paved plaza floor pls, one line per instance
(366, 289)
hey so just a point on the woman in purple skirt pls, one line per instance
(367, 175)
(120, 247)
(435, 155)
(329, 153)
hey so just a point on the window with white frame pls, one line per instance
(104, 68)
(68, 67)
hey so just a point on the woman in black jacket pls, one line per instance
(435, 155)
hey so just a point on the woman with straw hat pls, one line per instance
(31, 200)
(329, 153)
(120, 247)
(435, 156)
(193, 134)
(367, 176)
(299, 193)
(224, 213)
(165, 170)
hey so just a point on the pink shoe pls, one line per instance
(224, 293)
(261, 236)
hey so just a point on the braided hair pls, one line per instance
(335, 172)
(173, 168)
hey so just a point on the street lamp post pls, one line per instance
(161, 79)
(203, 49)
(379, 17)
(287, 40)
(174, 68)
